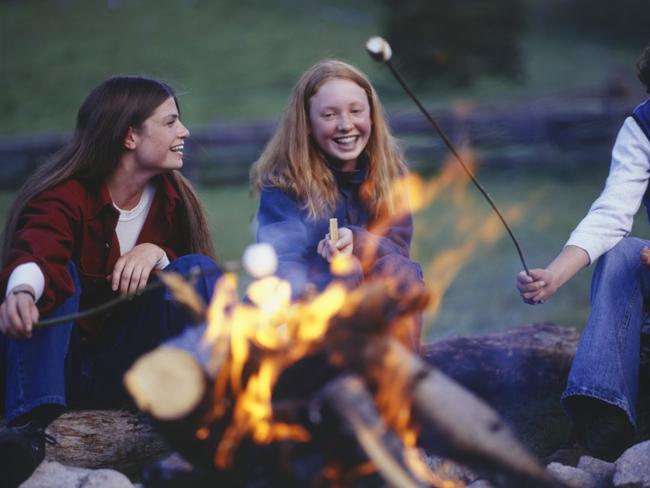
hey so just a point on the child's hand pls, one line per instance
(132, 270)
(645, 256)
(344, 245)
(18, 313)
(536, 288)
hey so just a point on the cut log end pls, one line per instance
(167, 383)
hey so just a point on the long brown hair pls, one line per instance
(293, 162)
(96, 146)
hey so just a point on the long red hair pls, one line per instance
(293, 162)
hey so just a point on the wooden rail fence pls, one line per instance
(548, 132)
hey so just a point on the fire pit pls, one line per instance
(320, 392)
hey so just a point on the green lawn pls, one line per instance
(227, 59)
(233, 59)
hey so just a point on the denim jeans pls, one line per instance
(606, 365)
(57, 366)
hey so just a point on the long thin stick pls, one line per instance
(84, 314)
(385, 58)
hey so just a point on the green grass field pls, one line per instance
(232, 59)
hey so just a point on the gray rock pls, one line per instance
(448, 469)
(633, 468)
(50, 474)
(602, 471)
(481, 484)
(571, 476)
(106, 478)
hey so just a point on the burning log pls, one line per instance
(471, 431)
(465, 428)
(385, 395)
(348, 396)
(153, 378)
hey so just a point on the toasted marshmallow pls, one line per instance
(260, 260)
(379, 49)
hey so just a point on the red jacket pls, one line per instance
(76, 221)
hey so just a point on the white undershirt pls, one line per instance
(129, 225)
(130, 222)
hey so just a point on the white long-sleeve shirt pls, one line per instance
(611, 216)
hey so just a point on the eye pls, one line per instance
(328, 115)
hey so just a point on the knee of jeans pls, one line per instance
(189, 261)
(625, 255)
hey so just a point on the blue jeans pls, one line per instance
(57, 366)
(606, 365)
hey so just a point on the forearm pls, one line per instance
(567, 264)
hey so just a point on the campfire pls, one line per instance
(319, 392)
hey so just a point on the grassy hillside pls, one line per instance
(227, 58)
(235, 59)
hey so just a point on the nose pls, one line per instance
(344, 123)
(184, 133)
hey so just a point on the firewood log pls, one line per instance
(172, 386)
(115, 439)
(348, 397)
(167, 383)
(523, 361)
(467, 429)
(471, 432)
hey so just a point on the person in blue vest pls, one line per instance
(333, 156)
(601, 392)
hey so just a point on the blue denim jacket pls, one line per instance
(284, 223)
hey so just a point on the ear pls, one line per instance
(130, 139)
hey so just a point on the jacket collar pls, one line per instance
(100, 199)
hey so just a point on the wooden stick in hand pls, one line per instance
(334, 230)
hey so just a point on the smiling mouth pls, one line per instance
(346, 141)
(178, 149)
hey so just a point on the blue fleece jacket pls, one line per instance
(283, 223)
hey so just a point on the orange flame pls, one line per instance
(277, 332)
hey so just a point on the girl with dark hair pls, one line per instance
(601, 392)
(333, 156)
(95, 221)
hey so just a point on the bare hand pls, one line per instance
(344, 245)
(18, 313)
(536, 288)
(645, 256)
(133, 269)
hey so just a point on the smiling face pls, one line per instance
(339, 116)
(158, 145)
